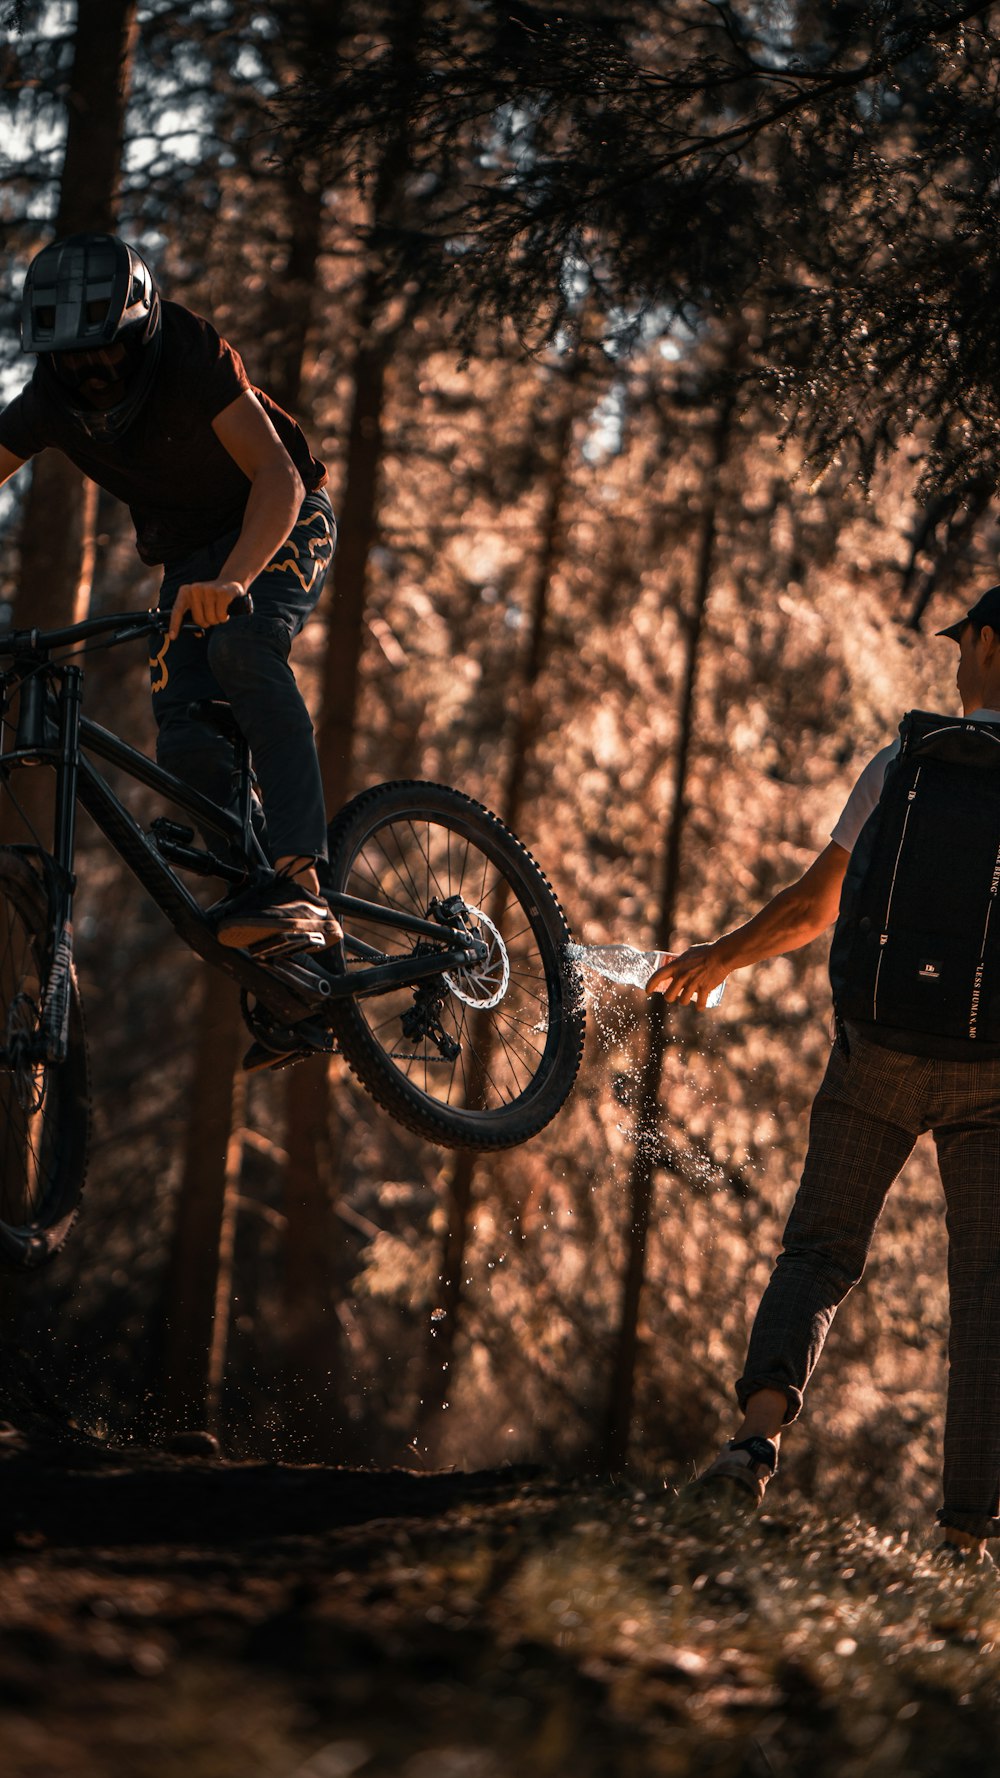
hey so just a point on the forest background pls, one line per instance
(652, 353)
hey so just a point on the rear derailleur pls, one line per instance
(423, 1020)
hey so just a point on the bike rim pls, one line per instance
(29, 1091)
(499, 1017)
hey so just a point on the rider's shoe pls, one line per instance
(277, 914)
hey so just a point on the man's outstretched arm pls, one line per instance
(795, 915)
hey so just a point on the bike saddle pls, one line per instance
(217, 715)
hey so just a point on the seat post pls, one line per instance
(219, 715)
(243, 779)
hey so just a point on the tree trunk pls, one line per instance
(194, 1339)
(439, 1355)
(57, 533)
(618, 1418)
(57, 536)
(358, 530)
(210, 1178)
(312, 1137)
(311, 1394)
(295, 290)
(96, 101)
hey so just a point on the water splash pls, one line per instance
(618, 963)
(601, 971)
(626, 965)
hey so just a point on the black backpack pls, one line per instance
(916, 948)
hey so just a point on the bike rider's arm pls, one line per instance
(9, 464)
(794, 916)
(276, 493)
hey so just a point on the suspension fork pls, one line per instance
(54, 1032)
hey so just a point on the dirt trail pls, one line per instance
(83, 1492)
(167, 1617)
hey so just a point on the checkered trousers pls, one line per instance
(870, 1109)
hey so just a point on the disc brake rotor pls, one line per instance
(484, 984)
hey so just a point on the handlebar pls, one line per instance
(130, 624)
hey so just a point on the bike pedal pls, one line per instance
(259, 1059)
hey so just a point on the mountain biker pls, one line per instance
(876, 1097)
(151, 403)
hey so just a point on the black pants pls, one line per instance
(870, 1109)
(245, 663)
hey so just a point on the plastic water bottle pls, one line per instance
(625, 964)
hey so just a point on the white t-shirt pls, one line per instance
(868, 789)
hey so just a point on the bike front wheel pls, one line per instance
(481, 1057)
(44, 1107)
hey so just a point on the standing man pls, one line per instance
(147, 399)
(883, 1087)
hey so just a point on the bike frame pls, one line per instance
(52, 731)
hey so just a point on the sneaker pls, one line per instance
(274, 916)
(961, 1560)
(747, 1464)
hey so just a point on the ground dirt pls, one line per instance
(169, 1617)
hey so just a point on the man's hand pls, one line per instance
(688, 977)
(208, 602)
(794, 916)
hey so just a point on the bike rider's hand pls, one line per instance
(688, 977)
(208, 602)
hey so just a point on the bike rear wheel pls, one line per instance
(44, 1107)
(485, 1056)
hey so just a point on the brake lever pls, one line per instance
(132, 632)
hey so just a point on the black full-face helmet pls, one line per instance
(91, 311)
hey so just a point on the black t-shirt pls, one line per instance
(180, 484)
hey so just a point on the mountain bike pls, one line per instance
(450, 996)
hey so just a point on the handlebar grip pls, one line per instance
(241, 606)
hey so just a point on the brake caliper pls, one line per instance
(423, 1020)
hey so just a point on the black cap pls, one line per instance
(986, 610)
